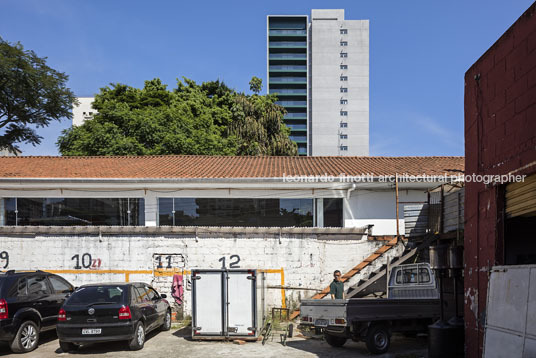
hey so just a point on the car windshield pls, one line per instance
(94, 295)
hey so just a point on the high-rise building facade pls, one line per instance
(287, 59)
(319, 70)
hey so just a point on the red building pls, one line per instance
(500, 139)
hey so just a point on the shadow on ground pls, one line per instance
(104, 348)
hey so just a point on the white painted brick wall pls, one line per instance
(307, 261)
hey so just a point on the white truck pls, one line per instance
(412, 304)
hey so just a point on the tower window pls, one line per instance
(344, 67)
(344, 89)
(344, 101)
(344, 147)
(344, 113)
(344, 31)
(344, 125)
(344, 54)
(344, 78)
(344, 136)
(344, 43)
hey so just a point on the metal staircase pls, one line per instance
(355, 270)
(376, 282)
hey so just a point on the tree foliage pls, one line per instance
(202, 119)
(255, 85)
(31, 95)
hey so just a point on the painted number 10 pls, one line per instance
(232, 264)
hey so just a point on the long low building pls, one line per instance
(295, 218)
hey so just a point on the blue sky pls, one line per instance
(419, 52)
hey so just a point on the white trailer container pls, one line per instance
(511, 312)
(227, 304)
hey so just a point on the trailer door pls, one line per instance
(208, 303)
(241, 308)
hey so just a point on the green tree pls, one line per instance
(206, 119)
(255, 85)
(31, 95)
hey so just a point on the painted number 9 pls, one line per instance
(4, 255)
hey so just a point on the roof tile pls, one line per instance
(210, 167)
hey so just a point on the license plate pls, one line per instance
(91, 331)
(321, 323)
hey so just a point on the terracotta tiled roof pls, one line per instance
(210, 167)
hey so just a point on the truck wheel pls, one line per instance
(334, 341)
(378, 339)
(26, 339)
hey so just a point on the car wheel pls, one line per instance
(334, 341)
(137, 342)
(27, 338)
(378, 339)
(68, 346)
(166, 326)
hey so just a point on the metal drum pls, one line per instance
(439, 257)
(455, 257)
(445, 341)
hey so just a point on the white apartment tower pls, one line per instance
(329, 57)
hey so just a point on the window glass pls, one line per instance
(344, 89)
(18, 288)
(344, 67)
(333, 212)
(143, 295)
(98, 294)
(424, 275)
(344, 54)
(37, 285)
(165, 212)
(344, 31)
(399, 277)
(59, 285)
(75, 211)
(410, 275)
(238, 212)
(151, 294)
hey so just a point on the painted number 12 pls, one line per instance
(232, 264)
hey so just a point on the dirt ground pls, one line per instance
(177, 343)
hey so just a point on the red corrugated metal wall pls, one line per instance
(500, 137)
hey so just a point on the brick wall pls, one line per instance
(302, 261)
(500, 137)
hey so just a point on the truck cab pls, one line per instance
(412, 304)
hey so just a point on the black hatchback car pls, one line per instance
(29, 304)
(112, 312)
